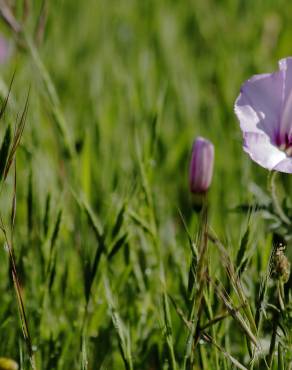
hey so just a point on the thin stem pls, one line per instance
(275, 199)
(281, 295)
(198, 284)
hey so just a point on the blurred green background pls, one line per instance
(137, 81)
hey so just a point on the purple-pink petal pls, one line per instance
(284, 166)
(259, 104)
(285, 66)
(262, 151)
(285, 129)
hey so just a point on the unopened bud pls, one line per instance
(201, 167)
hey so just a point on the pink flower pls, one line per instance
(201, 167)
(264, 110)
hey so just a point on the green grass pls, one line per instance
(115, 268)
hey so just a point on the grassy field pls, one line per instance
(113, 266)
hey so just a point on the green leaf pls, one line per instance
(4, 151)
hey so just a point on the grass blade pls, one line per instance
(122, 332)
(4, 151)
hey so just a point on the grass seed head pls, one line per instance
(282, 266)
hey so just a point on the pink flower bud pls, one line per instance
(201, 167)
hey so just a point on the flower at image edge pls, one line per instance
(264, 110)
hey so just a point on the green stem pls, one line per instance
(199, 283)
(281, 295)
(275, 199)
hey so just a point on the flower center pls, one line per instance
(288, 151)
(286, 146)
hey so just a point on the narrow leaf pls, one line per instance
(4, 151)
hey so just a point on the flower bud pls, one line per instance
(201, 167)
